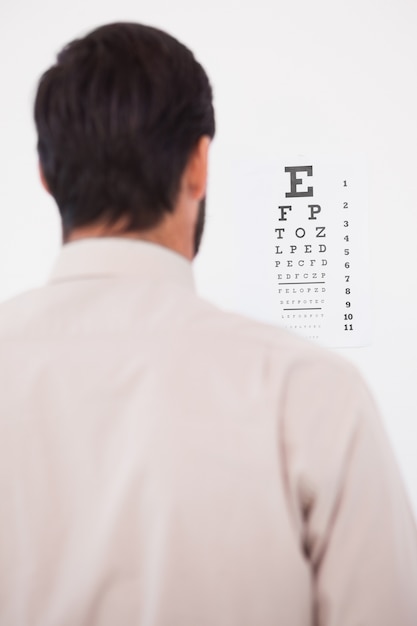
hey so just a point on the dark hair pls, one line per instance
(117, 118)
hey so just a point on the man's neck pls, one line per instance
(171, 233)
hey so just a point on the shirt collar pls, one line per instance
(117, 256)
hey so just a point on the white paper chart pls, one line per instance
(306, 239)
(321, 251)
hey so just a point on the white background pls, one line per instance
(323, 76)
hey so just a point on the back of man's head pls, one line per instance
(117, 117)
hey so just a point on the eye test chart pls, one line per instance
(312, 264)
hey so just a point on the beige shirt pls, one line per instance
(163, 463)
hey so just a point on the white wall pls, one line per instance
(290, 76)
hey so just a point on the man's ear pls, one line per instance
(195, 175)
(43, 179)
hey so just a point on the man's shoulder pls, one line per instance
(17, 312)
(90, 308)
(236, 332)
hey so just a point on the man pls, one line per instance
(163, 463)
